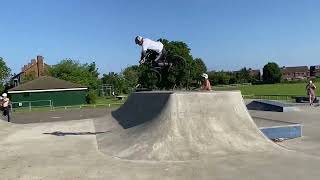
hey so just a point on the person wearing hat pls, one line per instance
(5, 105)
(311, 88)
(206, 86)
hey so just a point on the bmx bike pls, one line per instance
(169, 65)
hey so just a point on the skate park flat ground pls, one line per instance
(61, 115)
(68, 149)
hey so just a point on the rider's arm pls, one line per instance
(142, 58)
(143, 54)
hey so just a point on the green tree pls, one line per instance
(243, 76)
(5, 72)
(74, 71)
(271, 73)
(131, 76)
(177, 77)
(197, 68)
(220, 77)
(117, 80)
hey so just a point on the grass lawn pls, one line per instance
(270, 89)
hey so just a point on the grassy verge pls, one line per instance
(270, 91)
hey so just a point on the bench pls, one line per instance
(121, 97)
(305, 99)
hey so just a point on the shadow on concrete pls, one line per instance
(58, 133)
(140, 108)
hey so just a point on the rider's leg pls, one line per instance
(160, 56)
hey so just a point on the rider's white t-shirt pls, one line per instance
(153, 45)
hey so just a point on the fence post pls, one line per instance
(29, 106)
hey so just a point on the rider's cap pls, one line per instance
(138, 39)
(4, 95)
(205, 75)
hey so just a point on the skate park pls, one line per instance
(162, 135)
(175, 90)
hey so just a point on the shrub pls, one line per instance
(91, 97)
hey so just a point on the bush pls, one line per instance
(271, 73)
(91, 97)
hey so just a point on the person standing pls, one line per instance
(5, 106)
(311, 88)
(206, 86)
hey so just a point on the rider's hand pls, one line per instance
(141, 61)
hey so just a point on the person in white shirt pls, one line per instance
(5, 106)
(157, 49)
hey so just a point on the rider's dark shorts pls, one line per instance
(154, 54)
(163, 53)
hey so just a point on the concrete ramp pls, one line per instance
(267, 105)
(179, 126)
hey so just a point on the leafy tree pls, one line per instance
(131, 76)
(271, 73)
(4, 73)
(74, 71)
(91, 97)
(242, 76)
(117, 81)
(150, 79)
(177, 77)
(197, 68)
(221, 77)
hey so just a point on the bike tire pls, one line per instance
(155, 78)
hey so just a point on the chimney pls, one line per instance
(33, 61)
(24, 68)
(40, 65)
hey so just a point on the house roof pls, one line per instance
(295, 69)
(46, 83)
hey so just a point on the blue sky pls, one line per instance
(226, 34)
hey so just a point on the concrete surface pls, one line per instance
(37, 151)
(59, 115)
(182, 126)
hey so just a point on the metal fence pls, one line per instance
(23, 106)
(269, 97)
(31, 104)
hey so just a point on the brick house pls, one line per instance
(36, 68)
(295, 73)
(315, 71)
(255, 73)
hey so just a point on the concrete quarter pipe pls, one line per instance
(180, 126)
